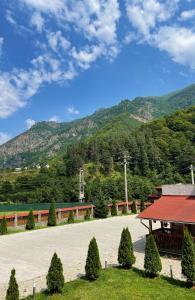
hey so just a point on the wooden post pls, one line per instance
(117, 209)
(59, 215)
(16, 220)
(92, 212)
(150, 226)
(39, 217)
(77, 212)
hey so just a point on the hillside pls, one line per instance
(158, 152)
(45, 139)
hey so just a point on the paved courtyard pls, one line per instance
(30, 252)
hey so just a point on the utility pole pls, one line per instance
(81, 185)
(126, 189)
(192, 173)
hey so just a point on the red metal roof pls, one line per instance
(171, 208)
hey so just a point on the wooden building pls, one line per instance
(174, 211)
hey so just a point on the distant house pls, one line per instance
(18, 169)
(174, 211)
(47, 166)
(38, 166)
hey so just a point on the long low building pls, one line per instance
(175, 211)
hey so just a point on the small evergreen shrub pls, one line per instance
(188, 258)
(101, 209)
(30, 224)
(55, 277)
(134, 207)
(52, 215)
(87, 215)
(93, 264)
(71, 217)
(142, 205)
(124, 210)
(152, 262)
(113, 209)
(12, 291)
(3, 226)
(126, 256)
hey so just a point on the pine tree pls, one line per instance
(188, 258)
(113, 209)
(12, 291)
(87, 215)
(3, 226)
(142, 205)
(134, 207)
(124, 210)
(152, 262)
(126, 256)
(71, 217)
(93, 264)
(52, 215)
(30, 221)
(101, 209)
(55, 277)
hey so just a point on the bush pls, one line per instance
(12, 291)
(52, 215)
(30, 221)
(142, 205)
(71, 217)
(113, 209)
(126, 256)
(134, 207)
(3, 226)
(101, 209)
(87, 215)
(55, 277)
(188, 258)
(124, 210)
(93, 264)
(152, 262)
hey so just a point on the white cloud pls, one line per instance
(187, 14)
(144, 15)
(73, 111)
(4, 137)
(179, 42)
(54, 119)
(37, 21)
(45, 5)
(9, 17)
(88, 55)
(57, 41)
(29, 123)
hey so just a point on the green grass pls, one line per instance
(118, 284)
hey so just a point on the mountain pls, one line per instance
(45, 139)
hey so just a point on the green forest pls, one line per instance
(158, 152)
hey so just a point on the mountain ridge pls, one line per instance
(45, 139)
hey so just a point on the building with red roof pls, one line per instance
(174, 211)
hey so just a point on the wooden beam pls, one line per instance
(150, 226)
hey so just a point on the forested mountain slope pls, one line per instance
(160, 151)
(46, 139)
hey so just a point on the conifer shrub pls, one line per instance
(152, 262)
(3, 226)
(71, 217)
(126, 256)
(87, 215)
(142, 205)
(52, 215)
(124, 210)
(13, 290)
(134, 207)
(93, 264)
(55, 277)
(188, 258)
(101, 209)
(30, 224)
(113, 208)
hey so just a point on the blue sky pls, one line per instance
(64, 59)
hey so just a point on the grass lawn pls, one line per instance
(118, 284)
